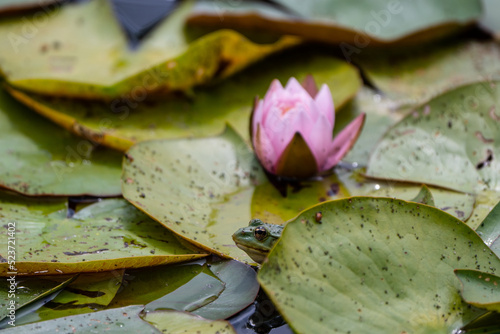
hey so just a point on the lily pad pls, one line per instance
(38, 158)
(203, 189)
(365, 268)
(88, 293)
(173, 322)
(342, 21)
(453, 142)
(238, 289)
(415, 75)
(488, 20)
(424, 196)
(124, 122)
(107, 235)
(109, 321)
(27, 291)
(480, 289)
(39, 56)
(489, 230)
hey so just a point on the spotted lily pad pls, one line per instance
(352, 24)
(203, 189)
(173, 322)
(41, 57)
(453, 142)
(366, 268)
(480, 289)
(87, 293)
(28, 290)
(16, 6)
(415, 75)
(489, 229)
(126, 121)
(107, 235)
(109, 321)
(39, 158)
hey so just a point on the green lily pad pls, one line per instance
(88, 293)
(381, 114)
(415, 75)
(458, 204)
(107, 235)
(28, 290)
(115, 320)
(480, 289)
(366, 268)
(205, 189)
(119, 125)
(39, 56)
(173, 322)
(353, 24)
(39, 158)
(489, 230)
(452, 142)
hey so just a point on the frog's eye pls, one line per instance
(260, 233)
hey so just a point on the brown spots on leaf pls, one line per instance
(481, 137)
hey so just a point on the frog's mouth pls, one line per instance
(258, 255)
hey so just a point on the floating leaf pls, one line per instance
(202, 189)
(480, 289)
(28, 290)
(353, 25)
(88, 293)
(365, 268)
(239, 289)
(489, 20)
(126, 121)
(415, 75)
(115, 320)
(489, 230)
(452, 141)
(173, 322)
(44, 58)
(107, 235)
(38, 158)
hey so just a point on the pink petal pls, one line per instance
(264, 150)
(324, 103)
(310, 85)
(274, 89)
(295, 120)
(294, 87)
(344, 141)
(319, 140)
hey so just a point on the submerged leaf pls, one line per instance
(365, 268)
(424, 196)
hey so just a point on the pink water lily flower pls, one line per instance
(292, 130)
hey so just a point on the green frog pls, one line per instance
(257, 239)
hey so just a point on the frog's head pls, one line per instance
(257, 238)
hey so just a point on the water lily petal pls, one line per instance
(320, 140)
(295, 120)
(265, 150)
(294, 87)
(344, 141)
(275, 89)
(324, 103)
